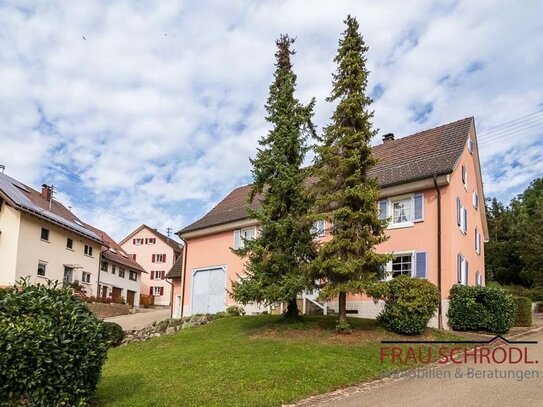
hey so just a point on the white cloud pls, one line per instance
(152, 116)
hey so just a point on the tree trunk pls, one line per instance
(342, 307)
(293, 313)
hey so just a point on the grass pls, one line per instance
(245, 361)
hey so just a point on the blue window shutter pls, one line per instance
(383, 206)
(421, 265)
(237, 239)
(458, 214)
(459, 268)
(419, 207)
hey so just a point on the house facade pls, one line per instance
(40, 239)
(119, 276)
(431, 193)
(156, 253)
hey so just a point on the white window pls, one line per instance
(121, 272)
(470, 145)
(318, 228)
(85, 277)
(402, 211)
(156, 290)
(44, 234)
(464, 176)
(240, 234)
(462, 270)
(158, 258)
(132, 275)
(475, 199)
(137, 241)
(478, 279)
(103, 266)
(42, 266)
(88, 250)
(113, 269)
(157, 275)
(69, 244)
(411, 264)
(150, 240)
(477, 241)
(461, 216)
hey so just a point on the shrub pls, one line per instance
(52, 346)
(409, 305)
(474, 308)
(114, 333)
(235, 311)
(523, 311)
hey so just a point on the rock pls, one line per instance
(170, 330)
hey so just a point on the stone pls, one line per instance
(170, 330)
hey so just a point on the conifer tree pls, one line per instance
(345, 195)
(277, 258)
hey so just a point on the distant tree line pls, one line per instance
(514, 253)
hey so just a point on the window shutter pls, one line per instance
(421, 269)
(133, 241)
(152, 275)
(383, 206)
(237, 239)
(153, 258)
(458, 212)
(161, 290)
(459, 268)
(465, 220)
(419, 207)
(476, 240)
(150, 290)
(162, 274)
(164, 257)
(467, 272)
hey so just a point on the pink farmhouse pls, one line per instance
(431, 192)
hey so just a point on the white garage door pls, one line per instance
(209, 291)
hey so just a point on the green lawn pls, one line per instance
(244, 361)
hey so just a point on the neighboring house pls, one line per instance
(42, 240)
(432, 192)
(156, 253)
(119, 275)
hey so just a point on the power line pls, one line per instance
(506, 135)
(538, 120)
(514, 120)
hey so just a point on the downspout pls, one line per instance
(171, 297)
(439, 307)
(183, 275)
(99, 269)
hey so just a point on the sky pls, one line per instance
(147, 112)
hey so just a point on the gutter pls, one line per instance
(183, 275)
(171, 297)
(439, 307)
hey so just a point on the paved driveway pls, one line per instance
(141, 319)
(456, 391)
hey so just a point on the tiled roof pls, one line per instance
(176, 246)
(111, 251)
(177, 269)
(31, 201)
(418, 156)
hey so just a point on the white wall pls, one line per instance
(113, 280)
(9, 239)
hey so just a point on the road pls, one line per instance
(453, 391)
(140, 320)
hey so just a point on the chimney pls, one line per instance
(388, 137)
(46, 192)
(2, 168)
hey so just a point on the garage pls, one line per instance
(208, 291)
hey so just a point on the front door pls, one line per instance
(68, 275)
(130, 297)
(116, 293)
(104, 291)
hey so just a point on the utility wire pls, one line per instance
(539, 120)
(514, 120)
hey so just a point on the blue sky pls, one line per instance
(148, 112)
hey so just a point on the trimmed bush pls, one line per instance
(235, 311)
(114, 333)
(523, 311)
(474, 308)
(409, 305)
(52, 347)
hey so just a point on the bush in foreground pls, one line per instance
(114, 333)
(523, 311)
(52, 347)
(409, 305)
(475, 308)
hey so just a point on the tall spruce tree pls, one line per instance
(345, 195)
(278, 256)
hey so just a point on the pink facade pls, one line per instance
(414, 241)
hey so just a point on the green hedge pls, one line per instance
(523, 311)
(409, 305)
(114, 333)
(52, 347)
(474, 308)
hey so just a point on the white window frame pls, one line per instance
(475, 200)
(85, 277)
(160, 258)
(138, 241)
(150, 240)
(156, 291)
(388, 269)
(132, 273)
(40, 264)
(463, 218)
(470, 145)
(463, 271)
(157, 275)
(88, 250)
(121, 272)
(478, 279)
(243, 233)
(465, 176)
(410, 198)
(477, 241)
